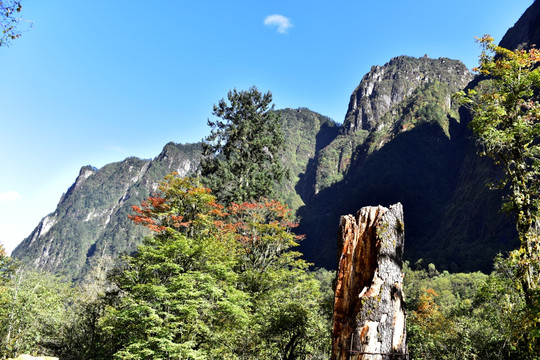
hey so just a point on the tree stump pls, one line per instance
(369, 314)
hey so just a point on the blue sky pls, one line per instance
(93, 82)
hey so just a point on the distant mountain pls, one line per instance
(91, 224)
(390, 100)
(402, 140)
(306, 134)
(91, 220)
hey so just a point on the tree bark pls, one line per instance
(369, 314)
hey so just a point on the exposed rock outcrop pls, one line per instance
(369, 314)
(403, 140)
(385, 86)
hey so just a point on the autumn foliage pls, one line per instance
(506, 123)
(262, 229)
(214, 281)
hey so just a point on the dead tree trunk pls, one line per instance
(369, 315)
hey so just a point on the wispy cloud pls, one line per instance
(282, 23)
(9, 196)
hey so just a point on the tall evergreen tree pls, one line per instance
(242, 151)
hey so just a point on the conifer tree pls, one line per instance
(243, 149)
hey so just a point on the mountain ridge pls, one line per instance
(323, 158)
(91, 224)
(91, 211)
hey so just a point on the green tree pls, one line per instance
(506, 121)
(176, 296)
(243, 149)
(466, 316)
(9, 21)
(214, 282)
(501, 306)
(82, 337)
(32, 313)
(288, 316)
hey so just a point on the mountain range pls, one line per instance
(402, 140)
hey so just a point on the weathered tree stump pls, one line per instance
(369, 314)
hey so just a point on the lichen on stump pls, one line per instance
(369, 314)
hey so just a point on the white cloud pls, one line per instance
(282, 23)
(9, 196)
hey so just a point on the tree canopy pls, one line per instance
(506, 122)
(9, 21)
(214, 281)
(243, 149)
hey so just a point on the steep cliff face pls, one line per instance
(390, 100)
(526, 31)
(91, 222)
(386, 86)
(404, 141)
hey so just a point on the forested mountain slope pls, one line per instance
(427, 162)
(91, 220)
(404, 141)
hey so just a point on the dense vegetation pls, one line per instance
(242, 151)
(158, 304)
(217, 279)
(306, 134)
(211, 282)
(506, 122)
(467, 316)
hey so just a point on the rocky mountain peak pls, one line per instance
(91, 218)
(84, 174)
(385, 86)
(179, 157)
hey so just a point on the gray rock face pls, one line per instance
(391, 99)
(385, 86)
